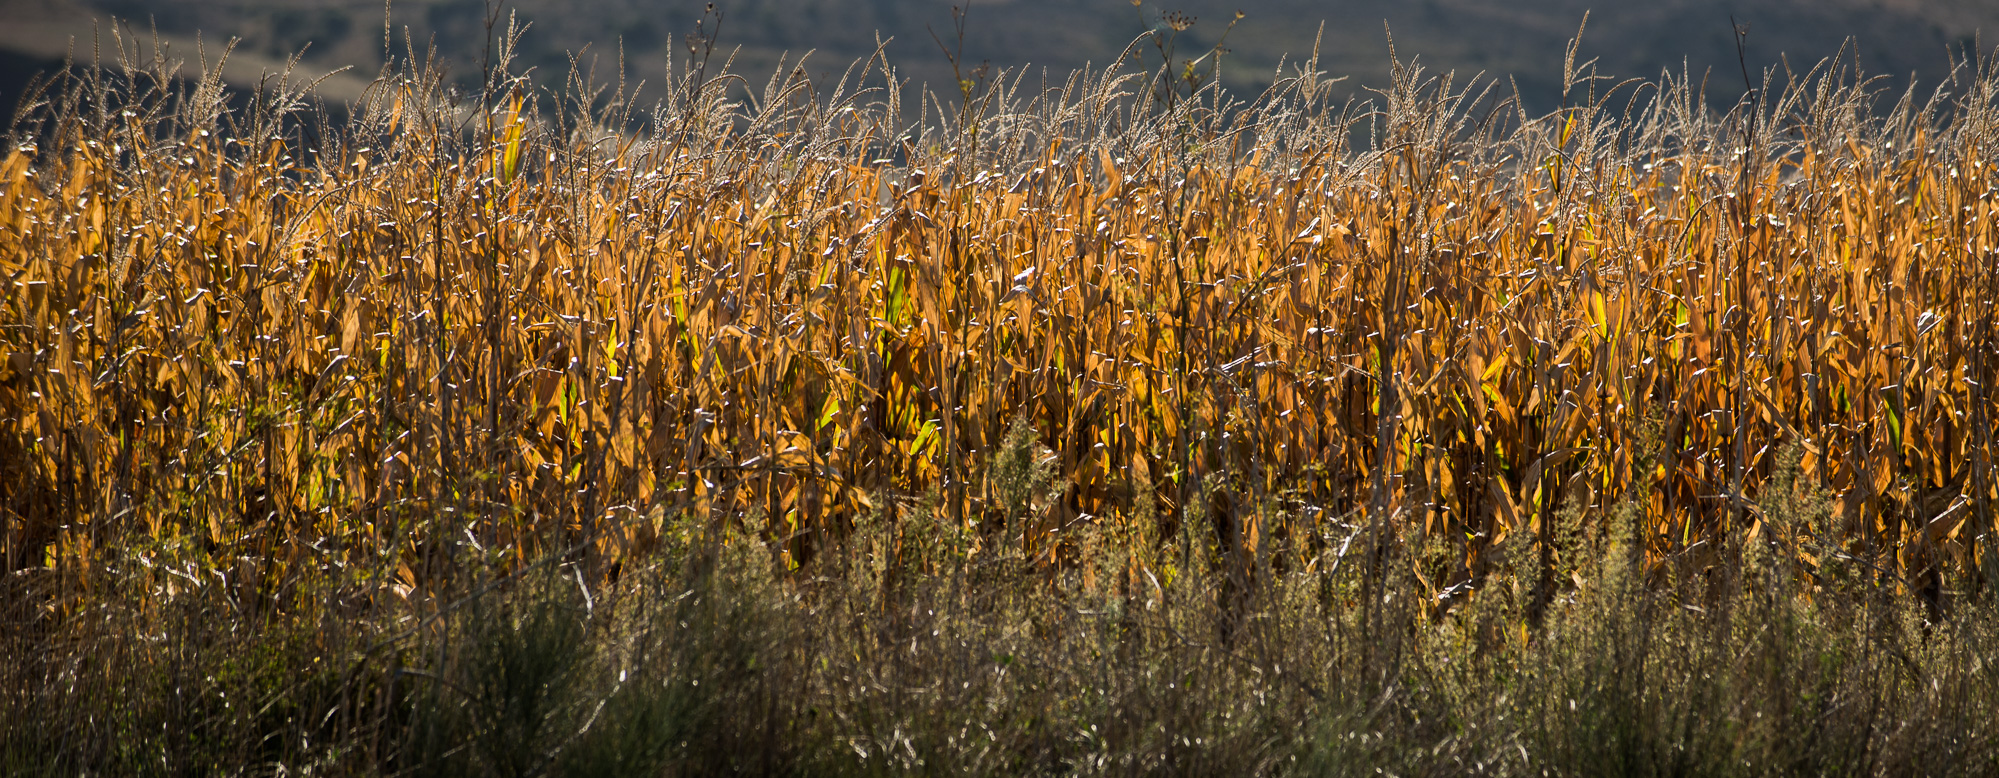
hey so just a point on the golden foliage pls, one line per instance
(445, 332)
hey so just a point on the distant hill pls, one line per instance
(1523, 39)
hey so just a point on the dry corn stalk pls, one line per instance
(437, 336)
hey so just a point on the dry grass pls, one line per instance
(1430, 339)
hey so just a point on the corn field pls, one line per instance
(452, 331)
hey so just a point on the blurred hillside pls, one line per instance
(1523, 39)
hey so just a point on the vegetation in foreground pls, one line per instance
(1103, 426)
